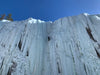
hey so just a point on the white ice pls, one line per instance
(67, 46)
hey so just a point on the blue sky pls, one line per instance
(48, 10)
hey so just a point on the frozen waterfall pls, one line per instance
(67, 46)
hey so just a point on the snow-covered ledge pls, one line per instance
(67, 46)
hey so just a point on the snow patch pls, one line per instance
(86, 14)
(32, 20)
(98, 18)
(5, 20)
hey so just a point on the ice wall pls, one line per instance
(67, 46)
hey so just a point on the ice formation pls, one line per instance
(67, 46)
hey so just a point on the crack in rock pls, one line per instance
(90, 34)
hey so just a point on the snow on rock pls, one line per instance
(31, 20)
(5, 20)
(67, 46)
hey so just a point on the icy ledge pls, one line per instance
(67, 46)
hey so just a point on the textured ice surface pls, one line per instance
(68, 46)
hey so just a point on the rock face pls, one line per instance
(68, 46)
